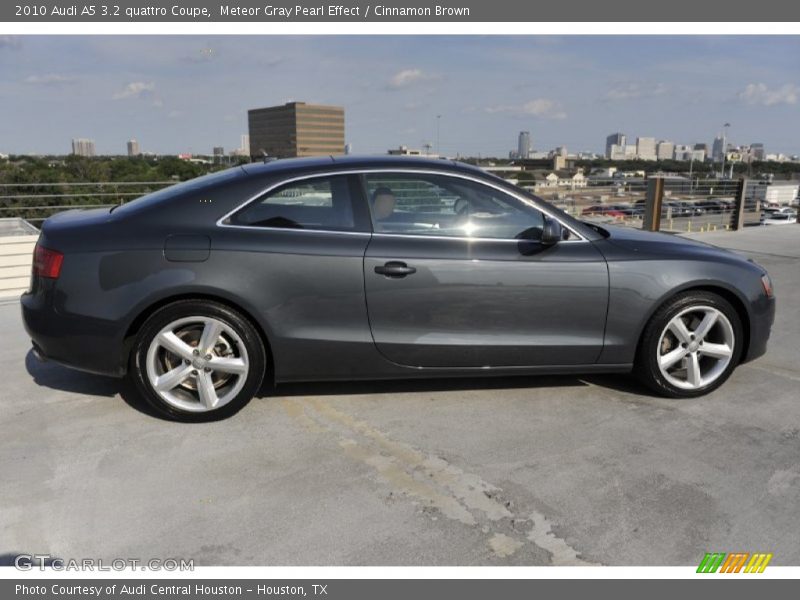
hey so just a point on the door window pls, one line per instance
(439, 205)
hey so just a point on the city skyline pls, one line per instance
(188, 94)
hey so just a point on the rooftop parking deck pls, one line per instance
(547, 470)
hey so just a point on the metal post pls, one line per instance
(737, 222)
(652, 206)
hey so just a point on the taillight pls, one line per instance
(47, 262)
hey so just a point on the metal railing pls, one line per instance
(35, 202)
(660, 203)
(655, 203)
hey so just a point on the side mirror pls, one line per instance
(552, 232)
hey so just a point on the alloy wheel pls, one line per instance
(696, 347)
(197, 364)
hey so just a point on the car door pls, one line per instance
(455, 276)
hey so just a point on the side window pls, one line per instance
(422, 204)
(320, 203)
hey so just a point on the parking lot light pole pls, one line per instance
(724, 148)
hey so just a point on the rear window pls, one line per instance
(319, 203)
(179, 189)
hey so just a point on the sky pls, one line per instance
(187, 94)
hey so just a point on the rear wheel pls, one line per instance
(690, 346)
(198, 360)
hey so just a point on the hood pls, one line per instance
(649, 244)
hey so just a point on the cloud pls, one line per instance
(633, 90)
(408, 77)
(759, 94)
(542, 108)
(135, 89)
(49, 79)
(10, 41)
(206, 54)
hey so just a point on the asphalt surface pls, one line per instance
(555, 470)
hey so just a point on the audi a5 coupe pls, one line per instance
(377, 268)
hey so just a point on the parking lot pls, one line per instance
(523, 471)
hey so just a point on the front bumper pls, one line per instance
(762, 316)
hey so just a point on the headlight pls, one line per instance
(767, 283)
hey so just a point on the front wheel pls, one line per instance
(197, 360)
(690, 346)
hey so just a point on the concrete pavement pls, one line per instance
(551, 470)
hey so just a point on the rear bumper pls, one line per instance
(75, 341)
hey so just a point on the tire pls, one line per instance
(694, 359)
(197, 360)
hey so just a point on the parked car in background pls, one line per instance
(603, 210)
(691, 209)
(779, 216)
(344, 268)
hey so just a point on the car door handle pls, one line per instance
(395, 268)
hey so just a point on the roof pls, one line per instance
(349, 161)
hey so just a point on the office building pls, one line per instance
(616, 152)
(524, 144)
(404, 151)
(704, 148)
(646, 148)
(615, 139)
(83, 147)
(757, 151)
(133, 148)
(665, 150)
(296, 129)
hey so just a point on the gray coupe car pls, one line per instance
(346, 268)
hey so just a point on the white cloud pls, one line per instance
(49, 79)
(633, 90)
(135, 89)
(9, 41)
(760, 94)
(409, 77)
(542, 108)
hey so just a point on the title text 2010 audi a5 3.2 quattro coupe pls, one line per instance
(377, 268)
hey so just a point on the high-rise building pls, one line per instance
(524, 144)
(83, 147)
(244, 145)
(665, 150)
(682, 152)
(718, 149)
(616, 152)
(296, 129)
(615, 139)
(757, 151)
(646, 148)
(705, 150)
(133, 148)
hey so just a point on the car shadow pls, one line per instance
(57, 377)
(400, 386)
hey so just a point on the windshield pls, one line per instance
(179, 189)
